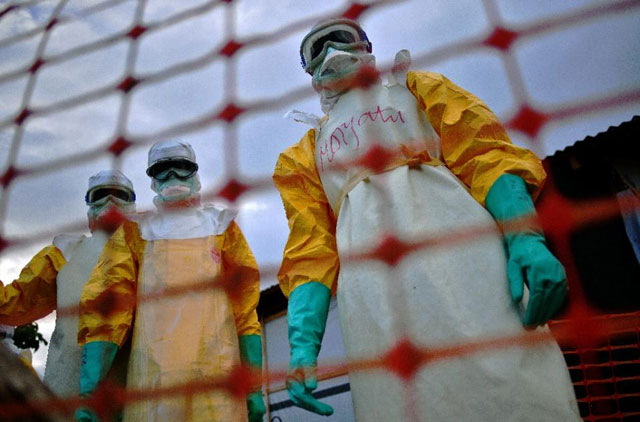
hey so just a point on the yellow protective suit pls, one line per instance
(191, 336)
(33, 294)
(452, 148)
(53, 279)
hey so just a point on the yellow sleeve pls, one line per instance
(108, 299)
(311, 253)
(475, 146)
(240, 269)
(33, 294)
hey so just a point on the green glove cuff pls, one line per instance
(97, 358)
(508, 199)
(307, 319)
(251, 355)
(251, 350)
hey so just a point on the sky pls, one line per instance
(556, 69)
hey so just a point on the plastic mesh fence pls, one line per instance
(601, 350)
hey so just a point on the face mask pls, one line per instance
(337, 66)
(175, 189)
(99, 212)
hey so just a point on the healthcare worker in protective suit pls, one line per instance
(55, 276)
(197, 335)
(448, 156)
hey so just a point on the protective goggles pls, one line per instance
(341, 36)
(97, 194)
(182, 169)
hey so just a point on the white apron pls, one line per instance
(187, 337)
(436, 296)
(62, 372)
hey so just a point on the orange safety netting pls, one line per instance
(596, 346)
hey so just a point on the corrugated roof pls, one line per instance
(620, 140)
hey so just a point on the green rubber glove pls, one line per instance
(307, 318)
(529, 259)
(251, 355)
(97, 358)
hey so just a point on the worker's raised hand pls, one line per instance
(301, 382)
(531, 262)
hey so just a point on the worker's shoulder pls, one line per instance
(130, 229)
(222, 217)
(133, 222)
(431, 77)
(67, 243)
(300, 153)
(303, 145)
